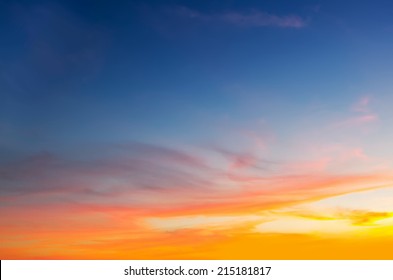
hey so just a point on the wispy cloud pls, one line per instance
(253, 18)
(358, 121)
(128, 166)
(362, 114)
(362, 105)
(353, 216)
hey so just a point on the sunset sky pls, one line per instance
(232, 129)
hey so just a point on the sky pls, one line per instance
(196, 129)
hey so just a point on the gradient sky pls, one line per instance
(196, 129)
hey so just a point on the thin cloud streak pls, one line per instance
(254, 18)
(358, 121)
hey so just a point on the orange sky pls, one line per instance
(307, 222)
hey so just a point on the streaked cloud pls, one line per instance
(253, 18)
(304, 226)
(358, 121)
(202, 222)
(124, 167)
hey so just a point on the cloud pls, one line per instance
(327, 222)
(362, 105)
(363, 115)
(353, 216)
(253, 18)
(202, 222)
(242, 160)
(358, 121)
(364, 218)
(161, 153)
(303, 226)
(124, 167)
(314, 166)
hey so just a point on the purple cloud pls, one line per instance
(124, 167)
(253, 18)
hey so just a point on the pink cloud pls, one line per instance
(355, 153)
(342, 153)
(362, 105)
(244, 161)
(358, 121)
(361, 115)
(312, 166)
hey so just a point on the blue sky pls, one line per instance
(150, 70)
